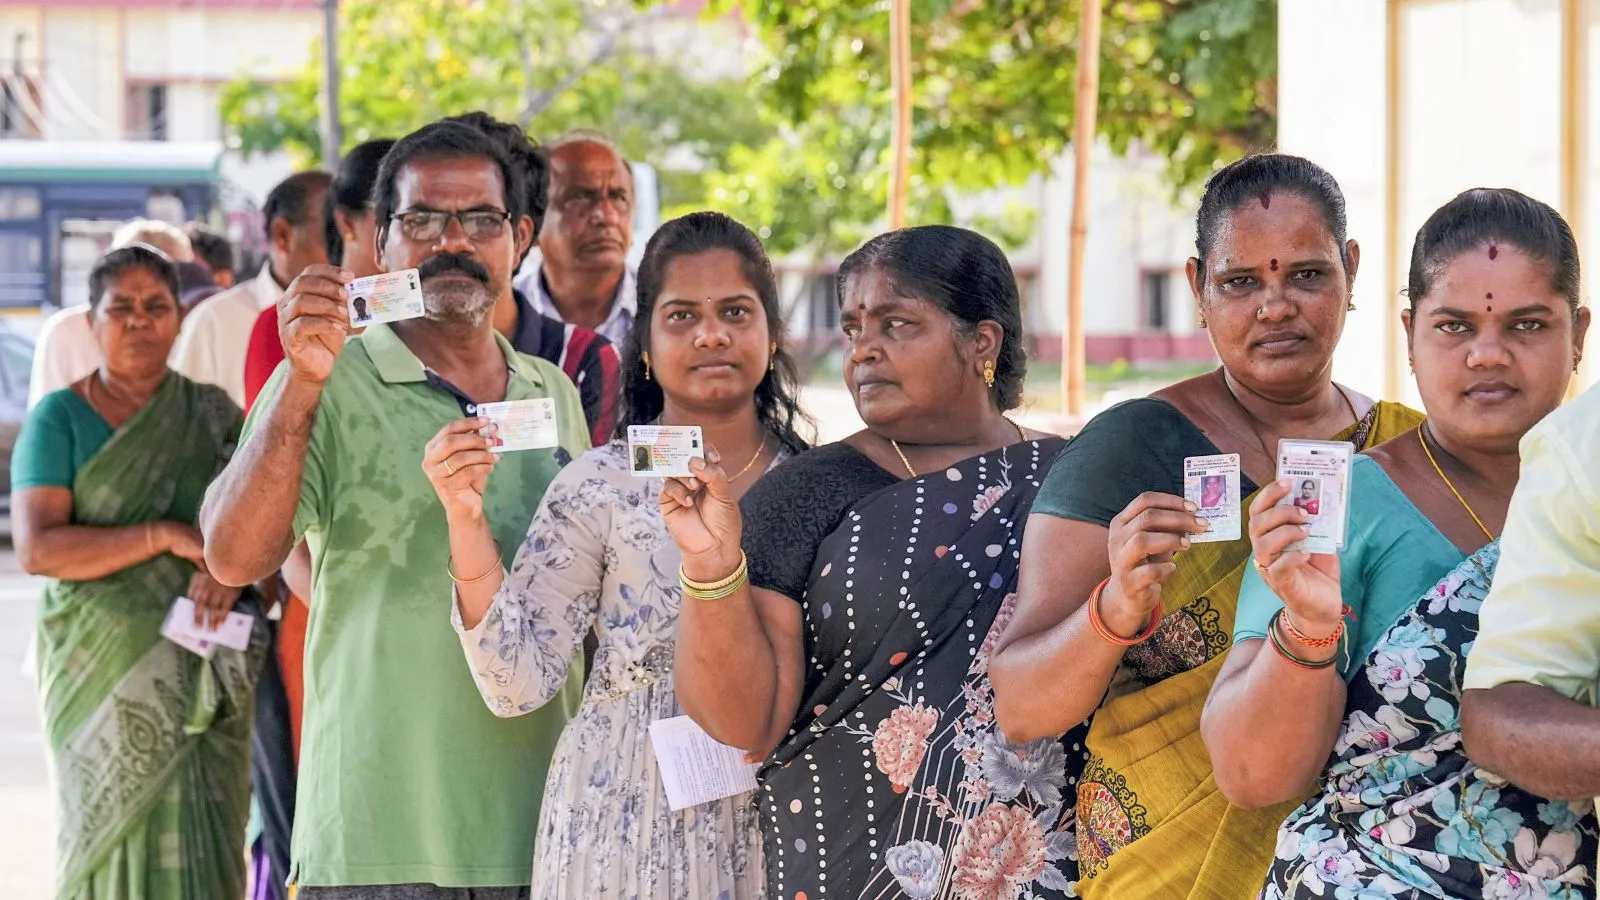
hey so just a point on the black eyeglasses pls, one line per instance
(428, 224)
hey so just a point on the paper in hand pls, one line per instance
(389, 297)
(233, 631)
(695, 769)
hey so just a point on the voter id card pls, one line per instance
(655, 451)
(1211, 483)
(389, 297)
(1319, 476)
(520, 425)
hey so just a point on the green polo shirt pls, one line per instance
(405, 775)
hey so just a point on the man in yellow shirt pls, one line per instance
(1529, 713)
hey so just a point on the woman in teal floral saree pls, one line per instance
(149, 742)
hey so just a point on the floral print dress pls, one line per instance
(598, 556)
(1402, 812)
(894, 782)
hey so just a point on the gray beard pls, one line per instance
(452, 305)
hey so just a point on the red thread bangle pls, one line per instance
(1317, 643)
(1107, 634)
(1283, 652)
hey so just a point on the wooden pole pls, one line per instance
(1393, 336)
(900, 79)
(1073, 364)
(1574, 125)
(332, 131)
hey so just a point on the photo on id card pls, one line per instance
(1318, 473)
(656, 451)
(1211, 483)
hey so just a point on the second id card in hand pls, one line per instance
(656, 451)
(1319, 472)
(389, 297)
(520, 424)
(1211, 483)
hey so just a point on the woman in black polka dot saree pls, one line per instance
(847, 644)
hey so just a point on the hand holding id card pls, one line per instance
(520, 424)
(389, 297)
(663, 451)
(1319, 476)
(1211, 483)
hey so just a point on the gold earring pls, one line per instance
(1350, 306)
(349, 236)
(1202, 320)
(646, 356)
(1261, 313)
(772, 357)
(988, 372)
(1576, 362)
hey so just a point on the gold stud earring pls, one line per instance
(772, 357)
(349, 236)
(1576, 362)
(988, 372)
(1261, 313)
(646, 356)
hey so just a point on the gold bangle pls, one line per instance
(739, 572)
(449, 570)
(717, 590)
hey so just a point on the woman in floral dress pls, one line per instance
(1341, 675)
(704, 351)
(881, 570)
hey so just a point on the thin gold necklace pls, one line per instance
(907, 463)
(759, 450)
(1451, 485)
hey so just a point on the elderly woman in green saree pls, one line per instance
(149, 742)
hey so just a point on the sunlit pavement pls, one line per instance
(27, 819)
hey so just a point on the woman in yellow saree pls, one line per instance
(1119, 614)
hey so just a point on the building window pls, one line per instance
(1155, 292)
(823, 292)
(147, 112)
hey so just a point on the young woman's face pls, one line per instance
(1493, 346)
(710, 341)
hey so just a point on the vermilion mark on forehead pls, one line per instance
(1266, 200)
(1493, 251)
(1489, 296)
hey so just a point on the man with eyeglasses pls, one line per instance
(583, 276)
(409, 788)
(582, 353)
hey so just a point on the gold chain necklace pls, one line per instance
(907, 463)
(1451, 485)
(759, 450)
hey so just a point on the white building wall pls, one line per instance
(1480, 107)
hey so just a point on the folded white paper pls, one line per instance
(233, 631)
(695, 769)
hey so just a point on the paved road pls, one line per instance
(27, 819)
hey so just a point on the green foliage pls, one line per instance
(551, 65)
(995, 97)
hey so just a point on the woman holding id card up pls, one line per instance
(704, 351)
(1342, 676)
(1108, 608)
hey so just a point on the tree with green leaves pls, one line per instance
(549, 65)
(994, 87)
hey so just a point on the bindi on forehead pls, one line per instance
(1274, 265)
(1493, 251)
(1266, 200)
(1489, 296)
